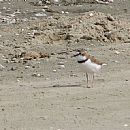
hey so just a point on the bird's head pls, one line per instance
(80, 54)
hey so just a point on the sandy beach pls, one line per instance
(42, 86)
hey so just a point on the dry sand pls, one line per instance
(42, 94)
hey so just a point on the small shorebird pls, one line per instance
(88, 64)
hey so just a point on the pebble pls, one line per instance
(110, 18)
(73, 75)
(13, 69)
(125, 125)
(61, 63)
(1, 67)
(17, 34)
(40, 14)
(122, 50)
(116, 61)
(45, 7)
(27, 67)
(43, 10)
(67, 12)
(4, 7)
(18, 80)
(111, 1)
(13, 21)
(80, 21)
(56, 1)
(91, 14)
(62, 66)
(117, 52)
(54, 70)
(36, 75)
(62, 12)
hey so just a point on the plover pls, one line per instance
(88, 64)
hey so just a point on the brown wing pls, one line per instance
(93, 59)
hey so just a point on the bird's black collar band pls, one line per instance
(82, 61)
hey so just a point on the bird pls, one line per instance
(88, 64)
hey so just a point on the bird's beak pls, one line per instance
(74, 55)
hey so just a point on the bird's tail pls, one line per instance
(104, 64)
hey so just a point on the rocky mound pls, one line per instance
(87, 26)
(68, 2)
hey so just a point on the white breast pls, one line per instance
(89, 67)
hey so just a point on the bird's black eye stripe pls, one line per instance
(76, 55)
(79, 53)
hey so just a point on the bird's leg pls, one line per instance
(92, 79)
(87, 78)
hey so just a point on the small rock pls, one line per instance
(45, 7)
(17, 34)
(73, 75)
(66, 12)
(36, 75)
(33, 55)
(78, 108)
(54, 70)
(61, 63)
(4, 8)
(43, 10)
(6, 60)
(18, 80)
(48, 2)
(125, 125)
(27, 67)
(1, 67)
(13, 21)
(122, 50)
(62, 66)
(86, 37)
(110, 18)
(62, 12)
(116, 61)
(117, 52)
(56, 1)
(91, 14)
(13, 68)
(56, 85)
(40, 14)
(110, 1)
